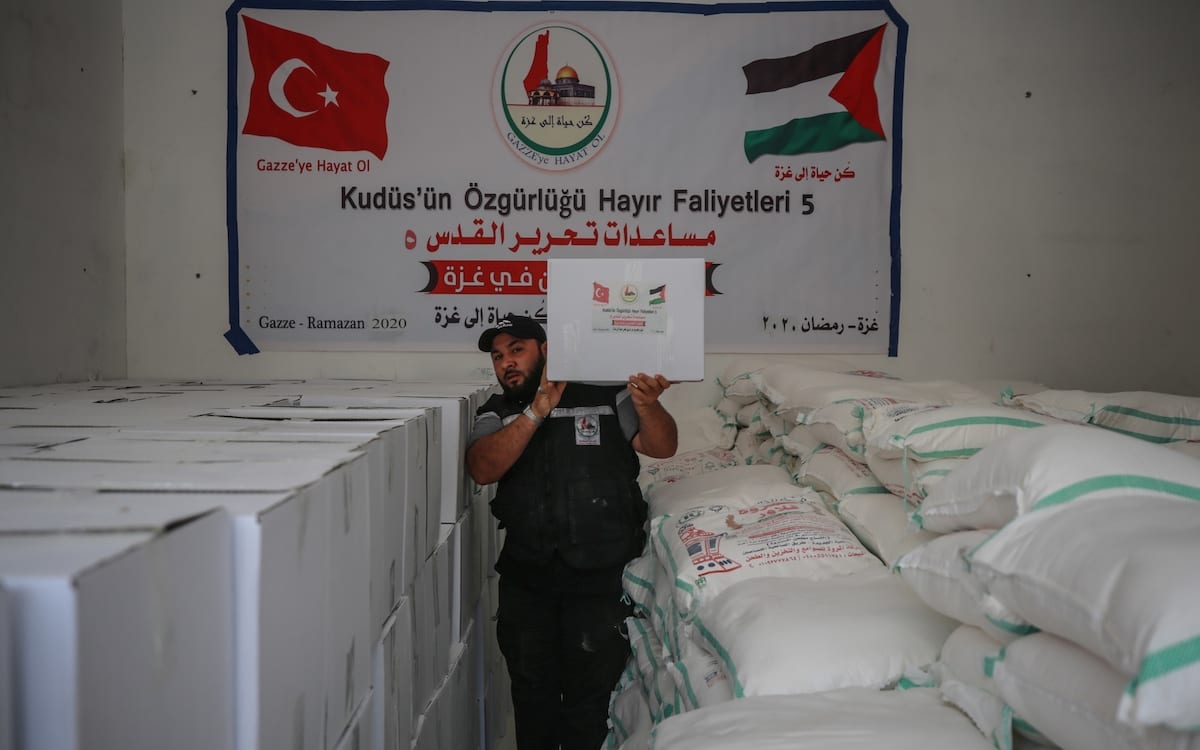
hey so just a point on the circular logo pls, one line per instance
(555, 97)
(588, 427)
(629, 293)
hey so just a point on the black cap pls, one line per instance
(517, 326)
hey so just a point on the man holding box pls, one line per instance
(564, 455)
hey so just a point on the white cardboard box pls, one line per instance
(282, 609)
(394, 681)
(257, 476)
(360, 731)
(427, 732)
(610, 318)
(123, 639)
(400, 539)
(466, 580)
(424, 605)
(45, 437)
(443, 562)
(396, 453)
(457, 417)
(462, 713)
(350, 633)
(7, 693)
(436, 474)
(282, 538)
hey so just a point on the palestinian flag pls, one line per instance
(658, 295)
(856, 57)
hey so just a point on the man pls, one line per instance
(569, 501)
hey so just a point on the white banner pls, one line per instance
(399, 174)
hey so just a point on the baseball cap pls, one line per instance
(517, 326)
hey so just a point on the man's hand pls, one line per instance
(549, 393)
(645, 389)
(657, 434)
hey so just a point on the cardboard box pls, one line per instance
(456, 420)
(443, 565)
(397, 540)
(436, 475)
(258, 476)
(499, 702)
(424, 606)
(350, 633)
(393, 683)
(460, 707)
(283, 578)
(122, 639)
(282, 532)
(611, 318)
(466, 580)
(8, 694)
(427, 734)
(46, 437)
(360, 731)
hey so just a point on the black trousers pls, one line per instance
(565, 653)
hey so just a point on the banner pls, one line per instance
(399, 173)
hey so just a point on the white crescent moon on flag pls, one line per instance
(279, 78)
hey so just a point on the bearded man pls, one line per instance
(573, 514)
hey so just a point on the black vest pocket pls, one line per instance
(519, 515)
(601, 527)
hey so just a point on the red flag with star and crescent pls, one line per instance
(307, 93)
(599, 293)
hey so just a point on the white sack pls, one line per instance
(1154, 417)
(684, 465)
(637, 580)
(739, 486)
(912, 480)
(783, 636)
(1047, 466)
(937, 572)
(771, 453)
(800, 442)
(1117, 576)
(1189, 448)
(830, 470)
(708, 549)
(736, 380)
(968, 654)
(853, 719)
(840, 423)
(704, 428)
(629, 719)
(944, 432)
(1072, 697)
(802, 389)
(881, 524)
(699, 677)
(745, 445)
(662, 697)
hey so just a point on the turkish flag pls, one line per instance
(599, 293)
(310, 94)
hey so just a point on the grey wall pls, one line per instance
(1049, 196)
(62, 201)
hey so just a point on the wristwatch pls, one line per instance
(533, 417)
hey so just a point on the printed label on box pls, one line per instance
(629, 306)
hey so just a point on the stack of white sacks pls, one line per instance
(245, 565)
(842, 559)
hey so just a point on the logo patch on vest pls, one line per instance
(587, 430)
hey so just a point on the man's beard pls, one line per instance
(525, 392)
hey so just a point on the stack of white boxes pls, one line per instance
(7, 701)
(247, 565)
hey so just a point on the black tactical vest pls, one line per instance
(574, 490)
